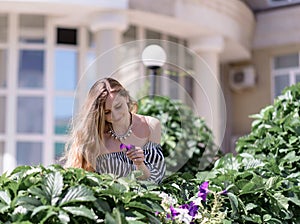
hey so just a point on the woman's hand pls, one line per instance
(136, 155)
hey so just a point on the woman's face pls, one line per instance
(115, 108)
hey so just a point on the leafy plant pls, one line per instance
(184, 136)
(56, 195)
(263, 179)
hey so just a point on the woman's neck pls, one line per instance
(122, 126)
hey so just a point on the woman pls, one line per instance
(110, 138)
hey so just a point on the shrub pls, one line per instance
(56, 195)
(263, 179)
(184, 136)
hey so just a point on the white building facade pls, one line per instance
(46, 47)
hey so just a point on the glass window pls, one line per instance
(66, 36)
(3, 28)
(31, 69)
(2, 113)
(32, 29)
(59, 150)
(151, 34)
(286, 61)
(29, 153)
(63, 113)
(3, 68)
(174, 85)
(188, 82)
(91, 40)
(297, 78)
(173, 51)
(1, 156)
(281, 81)
(65, 69)
(130, 34)
(30, 115)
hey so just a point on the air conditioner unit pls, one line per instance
(242, 77)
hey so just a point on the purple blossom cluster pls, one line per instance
(126, 147)
(187, 212)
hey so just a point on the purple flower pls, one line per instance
(184, 206)
(173, 213)
(203, 190)
(193, 209)
(127, 147)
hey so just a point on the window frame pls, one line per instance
(291, 72)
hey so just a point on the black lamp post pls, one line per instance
(154, 57)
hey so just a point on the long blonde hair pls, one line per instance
(87, 130)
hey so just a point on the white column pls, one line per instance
(9, 158)
(48, 144)
(208, 95)
(108, 29)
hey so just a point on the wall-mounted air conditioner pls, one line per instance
(242, 77)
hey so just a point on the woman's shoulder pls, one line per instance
(151, 121)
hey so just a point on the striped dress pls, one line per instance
(119, 164)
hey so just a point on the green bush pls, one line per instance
(184, 136)
(275, 133)
(55, 195)
(263, 180)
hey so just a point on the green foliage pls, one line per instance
(275, 133)
(184, 136)
(263, 180)
(57, 195)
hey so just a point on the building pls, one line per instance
(250, 48)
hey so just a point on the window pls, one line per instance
(65, 69)
(30, 114)
(2, 114)
(66, 36)
(3, 28)
(3, 68)
(63, 113)
(32, 29)
(130, 34)
(29, 153)
(31, 69)
(286, 61)
(151, 34)
(1, 156)
(286, 72)
(59, 150)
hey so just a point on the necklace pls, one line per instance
(123, 136)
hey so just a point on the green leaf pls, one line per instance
(80, 211)
(34, 190)
(40, 209)
(79, 193)
(26, 200)
(4, 197)
(296, 201)
(233, 202)
(267, 217)
(4, 207)
(53, 186)
(63, 217)
(48, 215)
(272, 182)
(250, 206)
(282, 201)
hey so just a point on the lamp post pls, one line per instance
(153, 57)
